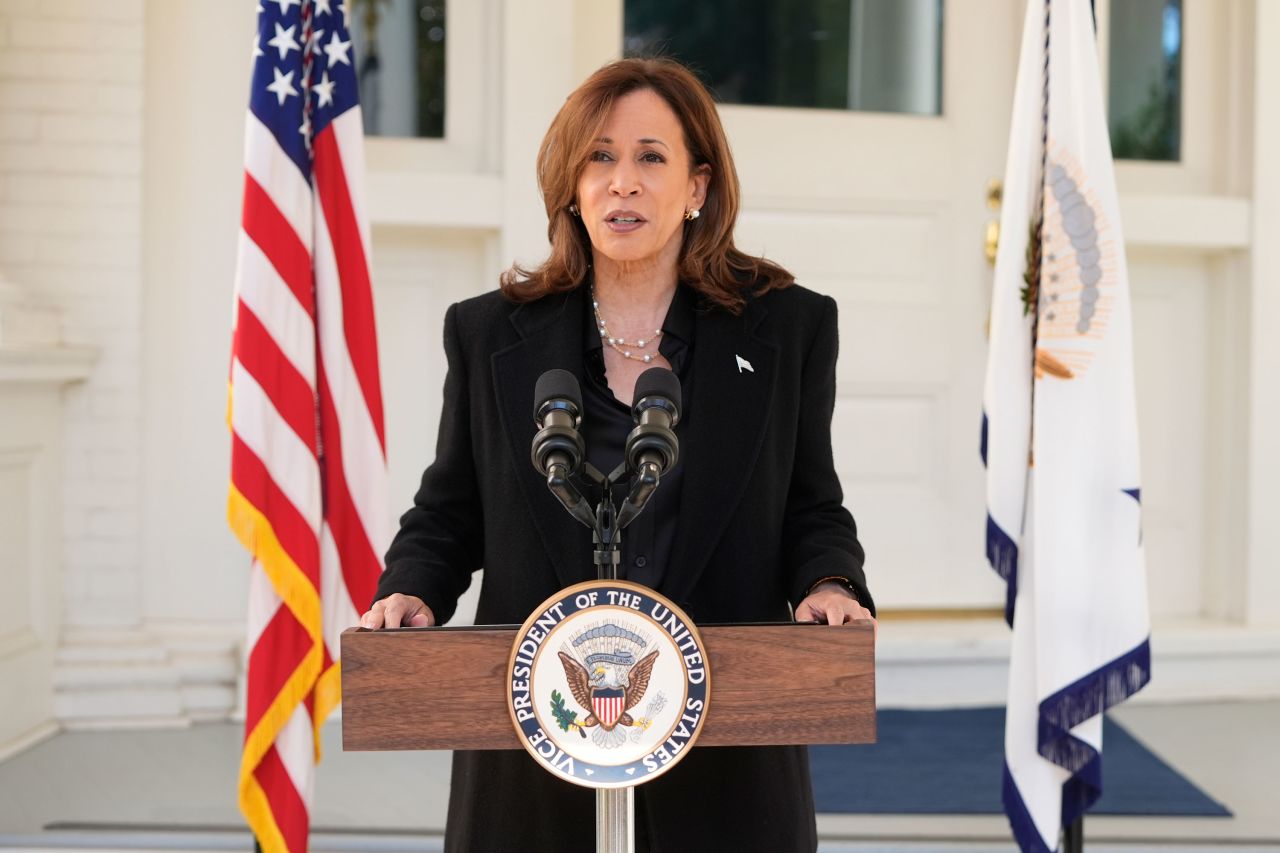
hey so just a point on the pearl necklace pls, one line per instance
(621, 344)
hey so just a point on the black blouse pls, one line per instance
(606, 422)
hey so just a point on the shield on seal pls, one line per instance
(607, 704)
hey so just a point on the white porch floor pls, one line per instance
(175, 790)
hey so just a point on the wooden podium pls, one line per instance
(446, 688)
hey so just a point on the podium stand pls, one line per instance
(446, 688)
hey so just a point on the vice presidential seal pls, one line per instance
(609, 684)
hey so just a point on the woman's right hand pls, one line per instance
(397, 611)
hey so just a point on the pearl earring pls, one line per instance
(692, 214)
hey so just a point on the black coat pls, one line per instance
(760, 522)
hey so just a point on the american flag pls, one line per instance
(308, 460)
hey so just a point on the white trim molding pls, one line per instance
(157, 675)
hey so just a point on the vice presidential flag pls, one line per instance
(308, 465)
(1060, 434)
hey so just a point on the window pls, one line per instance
(399, 51)
(1145, 79)
(876, 55)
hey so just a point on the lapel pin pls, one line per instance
(743, 364)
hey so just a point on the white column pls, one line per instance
(1262, 601)
(33, 370)
(70, 235)
(22, 323)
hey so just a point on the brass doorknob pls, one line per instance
(991, 240)
(995, 193)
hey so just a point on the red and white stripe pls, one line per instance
(608, 708)
(308, 470)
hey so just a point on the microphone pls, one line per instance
(558, 449)
(656, 411)
(558, 413)
(652, 448)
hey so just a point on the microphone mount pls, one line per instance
(558, 452)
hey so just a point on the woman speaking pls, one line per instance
(642, 197)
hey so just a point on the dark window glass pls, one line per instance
(878, 55)
(1145, 79)
(399, 48)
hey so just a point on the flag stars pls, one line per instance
(322, 8)
(257, 46)
(282, 87)
(324, 91)
(337, 49)
(313, 43)
(305, 129)
(284, 40)
(285, 4)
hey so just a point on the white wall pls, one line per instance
(71, 232)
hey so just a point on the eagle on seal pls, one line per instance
(592, 690)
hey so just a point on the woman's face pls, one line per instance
(637, 183)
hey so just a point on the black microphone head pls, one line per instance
(556, 384)
(658, 383)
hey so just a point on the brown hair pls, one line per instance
(709, 262)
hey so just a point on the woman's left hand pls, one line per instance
(832, 603)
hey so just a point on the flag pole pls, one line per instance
(1073, 836)
(1073, 833)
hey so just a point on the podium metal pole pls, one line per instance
(615, 820)
(615, 807)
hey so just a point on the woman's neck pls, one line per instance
(633, 296)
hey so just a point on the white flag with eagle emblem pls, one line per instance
(1060, 433)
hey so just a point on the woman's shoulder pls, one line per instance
(486, 307)
(799, 322)
(495, 304)
(793, 303)
(492, 320)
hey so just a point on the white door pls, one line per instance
(886, 213)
